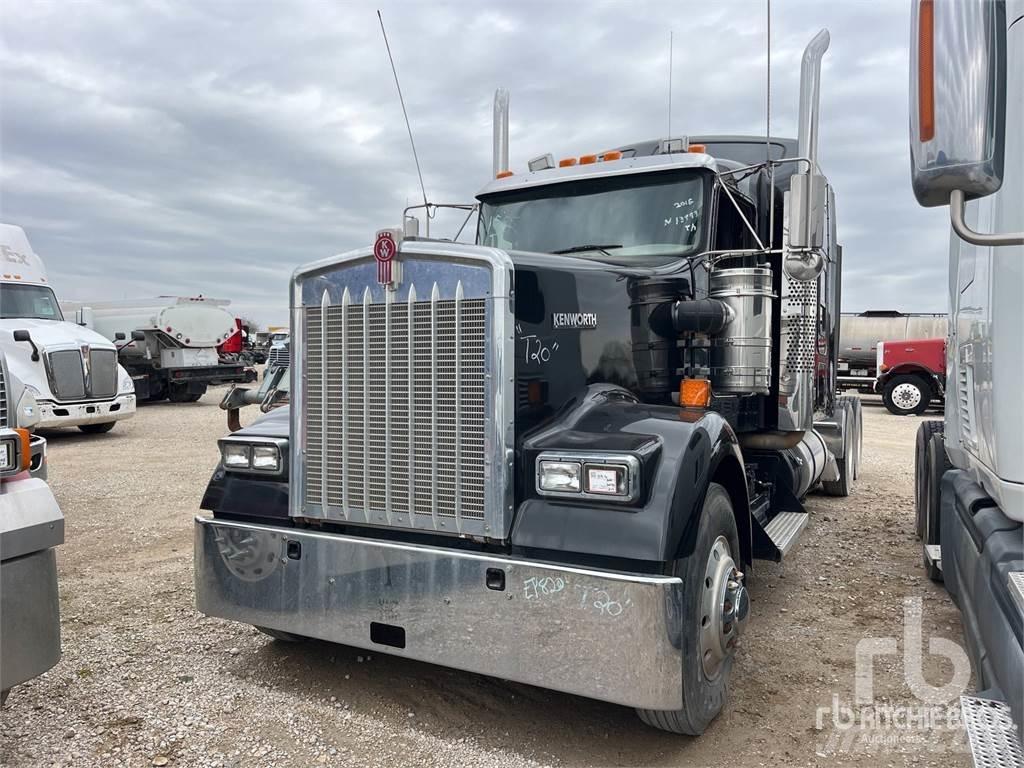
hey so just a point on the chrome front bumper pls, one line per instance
(603, 635)
(53, 414)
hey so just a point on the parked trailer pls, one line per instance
(967, 152)
(860, 332)
(71, 372)
(587, 421)
(171, 342)
(911, 374)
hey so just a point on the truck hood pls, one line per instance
(47, 333)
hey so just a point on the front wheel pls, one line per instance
(97, 429)
(715, 609)
(906, 395)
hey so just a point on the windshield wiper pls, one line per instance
(580, 248)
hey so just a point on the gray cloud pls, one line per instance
(155, 148)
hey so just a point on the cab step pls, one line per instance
(785, 528)
(991, 734)
(934, 554)
(1016, 583)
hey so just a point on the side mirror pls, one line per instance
(138, 336)
(119, 336)
(957, 98)
(25, 336)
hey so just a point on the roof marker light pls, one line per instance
(613, 154)
(566, 162)
(698, 149)
(588, 159)
(504, 174)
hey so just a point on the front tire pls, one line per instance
(97, 429)
(281, 636)
(935, 466)
(907, 395)
(715, 607)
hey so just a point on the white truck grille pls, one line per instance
(396, 408)
(278, 355)
(77, 377)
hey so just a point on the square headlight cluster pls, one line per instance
(264, 456)
(615, 477)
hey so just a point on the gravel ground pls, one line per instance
(145, 680)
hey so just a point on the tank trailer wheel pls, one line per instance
(715, 610)
(179, 393)
(906, 395)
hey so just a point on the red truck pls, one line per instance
(911, 374)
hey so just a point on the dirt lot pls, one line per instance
(145, 680)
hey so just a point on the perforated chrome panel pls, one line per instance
(3, 394)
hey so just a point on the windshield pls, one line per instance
(35, 301)
(627, 217)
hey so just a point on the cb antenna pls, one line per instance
(768, 84)
(670, 84)
(405, 114)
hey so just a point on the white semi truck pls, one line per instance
(967, 152)
(170, 342)
(71, 372)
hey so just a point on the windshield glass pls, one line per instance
(35, 301)
(630, 217)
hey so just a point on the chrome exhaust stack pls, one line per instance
(500, 131)
(810, 97)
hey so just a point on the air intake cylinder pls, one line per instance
(741, 353)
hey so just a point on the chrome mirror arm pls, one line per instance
(957, 204)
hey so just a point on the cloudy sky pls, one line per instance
(161, 147)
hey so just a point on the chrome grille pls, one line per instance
(395, 408)
(102, 373)
(278, 355)
(3, 394)
(71, 380)
(67, 374)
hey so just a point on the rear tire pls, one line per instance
(97, 429)
(706, 668)
(924, 436)
(936, 465)
(180, 393)
(281, 636)
(907, 395)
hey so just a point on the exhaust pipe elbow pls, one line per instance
(810, 95)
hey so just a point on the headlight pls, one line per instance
(28, 409)
(582, 475)
(127, 386)
(259, 455)
(15, 451)
(557, 476)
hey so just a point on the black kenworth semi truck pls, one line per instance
(552, 455)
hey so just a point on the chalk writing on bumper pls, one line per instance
(605, 635)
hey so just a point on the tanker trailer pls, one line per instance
(168, 343)
(860, 332)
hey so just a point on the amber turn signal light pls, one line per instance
(695, 393)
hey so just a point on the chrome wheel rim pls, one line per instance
(906, 396)
(724, 608)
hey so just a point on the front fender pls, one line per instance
(679, 449)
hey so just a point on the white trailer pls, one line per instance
(170, 342)
(72, 372)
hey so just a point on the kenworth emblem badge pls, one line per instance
(385, 249)
(578, 320)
